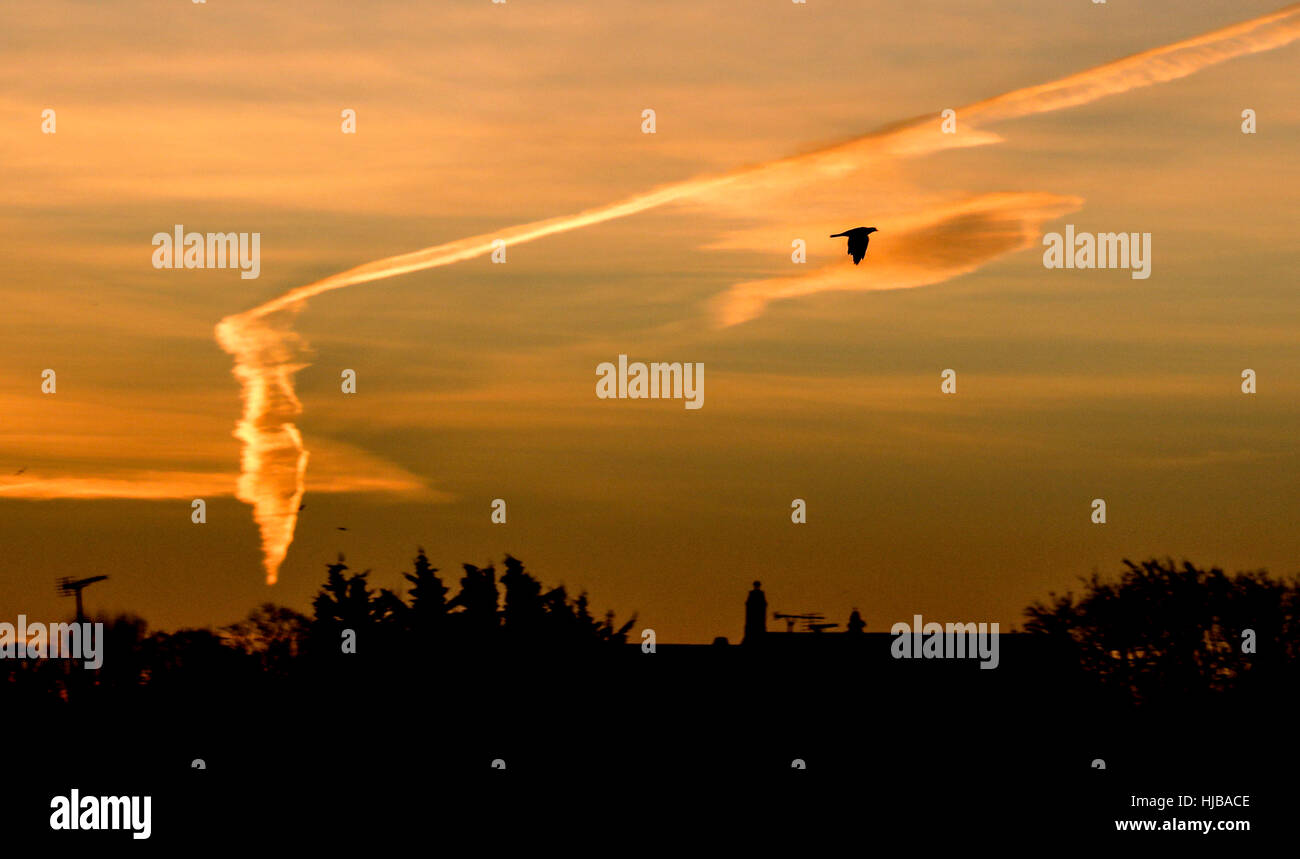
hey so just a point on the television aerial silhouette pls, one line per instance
(811, 622)
(67, 585)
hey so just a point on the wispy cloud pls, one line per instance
(918, 250)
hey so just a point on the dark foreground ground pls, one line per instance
(691, 749)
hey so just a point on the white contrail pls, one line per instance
(274, 461)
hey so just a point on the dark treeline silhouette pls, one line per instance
(351, 622)
(1151, 673)
(476, 617)
(1164, 633)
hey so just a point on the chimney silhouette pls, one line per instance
(755, 615)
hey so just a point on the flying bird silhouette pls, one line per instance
(858, 238)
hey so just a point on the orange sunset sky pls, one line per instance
(476, 381)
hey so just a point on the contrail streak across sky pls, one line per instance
(274, 460)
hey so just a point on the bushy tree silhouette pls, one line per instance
(1168, 632)
(477, 600)
(551, 618)
(428, 593)
(524, 614)
(272, 635)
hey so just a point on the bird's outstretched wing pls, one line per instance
(858, 238)
(858, 247)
